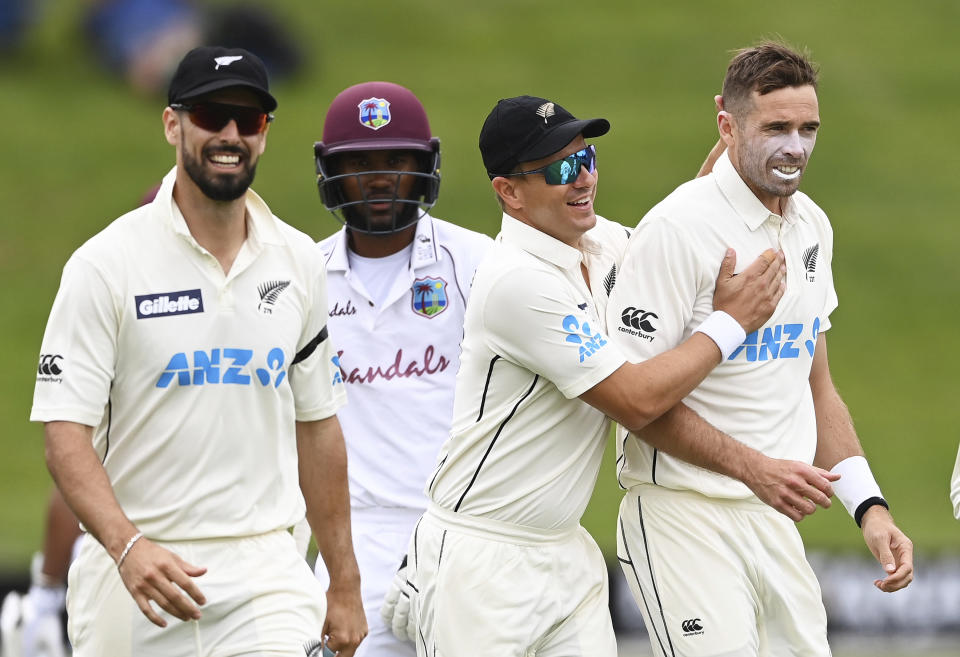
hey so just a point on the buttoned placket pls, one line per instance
(214, 272)
(784, 230)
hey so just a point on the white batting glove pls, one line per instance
(41, 606)
(11, 625)
(42, 629)
(395, 611)
(30, 623)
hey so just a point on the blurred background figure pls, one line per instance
(15, 17)
(142, 40)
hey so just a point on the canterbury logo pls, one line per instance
(545, 111)
(638, 319)
(48, 365)
(269, 293)
(226, 60)
(810, 260)
(692, 625)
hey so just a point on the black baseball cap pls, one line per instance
(209, 68)
(527, 128)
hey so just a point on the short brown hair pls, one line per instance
(763, 68)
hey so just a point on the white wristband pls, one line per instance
(856, 484)
(724, 330)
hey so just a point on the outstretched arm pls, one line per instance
(793, 488)
(322, 458)
(717, 149)
(712, 156)
(837, 441)
(637, 393)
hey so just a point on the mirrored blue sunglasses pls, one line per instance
(567, 169)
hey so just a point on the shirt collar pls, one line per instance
(261, 224)
(742, 198)
(537, 243)
(426, 246)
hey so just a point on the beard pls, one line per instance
(220, 186)
(755, 168)
(403, 214)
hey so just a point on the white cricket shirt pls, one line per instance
(761, 394)
(523, 449)
(192, 379)
(399, 359)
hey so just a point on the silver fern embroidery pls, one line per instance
(269, 293)
(610, 280)
(810, 260)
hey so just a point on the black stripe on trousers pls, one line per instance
(653, 582)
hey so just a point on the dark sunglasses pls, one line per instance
(215, 117)
(567, 169)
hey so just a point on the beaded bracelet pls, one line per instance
(126, 550)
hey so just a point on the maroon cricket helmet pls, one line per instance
(375, 116)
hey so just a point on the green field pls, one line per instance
(79, 149)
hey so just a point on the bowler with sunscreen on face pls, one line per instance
(722, 547)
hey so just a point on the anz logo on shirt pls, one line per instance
(226, 366)
(778, 342)
(581, 334)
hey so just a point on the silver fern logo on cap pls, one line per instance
(546, 111)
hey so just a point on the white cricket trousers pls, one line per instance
(495, 589)
(719, 578)
(380, 538)
(262, 600)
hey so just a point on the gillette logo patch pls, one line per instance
(164, 304)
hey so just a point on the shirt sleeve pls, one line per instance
(536, 319)
(656, 291)
(318, 389)
(78, 354)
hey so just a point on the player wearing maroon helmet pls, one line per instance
(398, 282)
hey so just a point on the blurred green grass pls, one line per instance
(79, 148)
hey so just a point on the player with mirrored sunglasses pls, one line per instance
(499, 563)
(565, 170)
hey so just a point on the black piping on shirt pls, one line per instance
(494, 441)
(311, 346)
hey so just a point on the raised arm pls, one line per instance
(717, 149)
